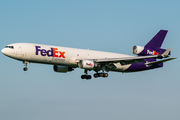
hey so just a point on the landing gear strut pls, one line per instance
(85, 76)
(25, 64)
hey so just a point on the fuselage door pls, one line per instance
(20, 53)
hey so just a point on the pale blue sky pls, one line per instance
(105, 25)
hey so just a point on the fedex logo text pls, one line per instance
(89, 64)
(50, 53)
(152, 53)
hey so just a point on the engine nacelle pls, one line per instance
(137, 50)
(62, 69)
(87, 64)
(142, 51)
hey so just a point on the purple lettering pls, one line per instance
(53, 52)
(43, 52)
(37, 49)
(50, 53)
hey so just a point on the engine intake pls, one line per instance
(137, 49)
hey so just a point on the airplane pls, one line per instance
(66, 59)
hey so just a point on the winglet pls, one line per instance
(166, 53)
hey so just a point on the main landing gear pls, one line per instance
(25, 64)
(96, 75)
(86, 76)
(104, 75)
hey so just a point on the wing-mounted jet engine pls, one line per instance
(87, 64)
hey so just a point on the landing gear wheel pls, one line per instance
(87, 77)
(83, 77)
(25, 68)
(101, 74)
(105, 75)
(96, 75)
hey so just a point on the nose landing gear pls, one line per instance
(25, 64)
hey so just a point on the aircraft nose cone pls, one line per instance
(3, 51)
(7, 52)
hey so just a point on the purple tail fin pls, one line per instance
(157, 40)
(153, 47)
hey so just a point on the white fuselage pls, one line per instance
(65, 59)
(48, 54)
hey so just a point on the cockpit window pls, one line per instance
(12, 47)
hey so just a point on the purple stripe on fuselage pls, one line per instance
(141, 66)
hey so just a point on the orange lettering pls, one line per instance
(54, 52)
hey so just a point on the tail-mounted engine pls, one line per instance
(87, 64)
(137, 50)
(142, 51)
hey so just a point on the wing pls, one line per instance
(126, 60)
(129, 60)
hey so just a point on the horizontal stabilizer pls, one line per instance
(166, 53)
(157, 62)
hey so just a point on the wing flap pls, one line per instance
(126, 62)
